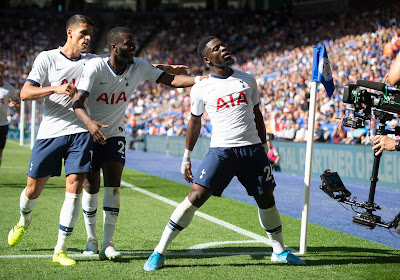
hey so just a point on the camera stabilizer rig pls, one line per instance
(383, 106)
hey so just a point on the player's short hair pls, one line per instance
(75, 19)
(114, 35)
(202, 45)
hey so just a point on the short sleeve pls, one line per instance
(150, 73)
(255, 97)
(88, 77)
(39, 70)
(196, 101)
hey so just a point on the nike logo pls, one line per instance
(58, 69)
(103, 83)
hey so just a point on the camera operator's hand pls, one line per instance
(383, 143)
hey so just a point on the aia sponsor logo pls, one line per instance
(112, 98)
(65, 81)
(234, 100)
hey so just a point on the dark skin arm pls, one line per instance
(260, 125)
(92, 125)
(173, 69)
(177, 81)
(192, 134)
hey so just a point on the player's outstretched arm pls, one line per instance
(178, 81)
(30, 91)
(173, 69)
(92, 125)
(192, 134)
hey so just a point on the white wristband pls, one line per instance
(187, 154)
(197, 79)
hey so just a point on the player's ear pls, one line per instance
(114, 48)
(206, 60)
(69, 32)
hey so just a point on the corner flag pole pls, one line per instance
(307, 172)
(321, 73)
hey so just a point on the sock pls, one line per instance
(26, 206)
(180, 219)
(68, 217)
(111, 204)
(89, 208)
(270, 221)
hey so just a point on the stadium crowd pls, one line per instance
(275, 47)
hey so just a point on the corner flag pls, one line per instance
(321, 70)
(321, 73)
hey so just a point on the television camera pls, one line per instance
(382, 103)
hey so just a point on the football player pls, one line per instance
(107, 85)
(61, 136)
(7, 94)
(238, 148)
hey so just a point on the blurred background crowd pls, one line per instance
(274, 46)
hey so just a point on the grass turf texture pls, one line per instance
(331, 254)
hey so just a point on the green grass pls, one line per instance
(331, 254)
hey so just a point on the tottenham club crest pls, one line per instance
(325, 69)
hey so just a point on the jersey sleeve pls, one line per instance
(255, 97)
(88, 77)
(150, 72)
(39, 70)
(197, 102)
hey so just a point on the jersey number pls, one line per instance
(122, 149)
(268, 171)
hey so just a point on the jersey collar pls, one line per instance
(76, 59)
(224, 77)
(115, 71)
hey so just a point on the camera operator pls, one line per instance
(382, 142)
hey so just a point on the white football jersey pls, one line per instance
(7, 91)
(230, 103)
(109, 92)
(53, 68)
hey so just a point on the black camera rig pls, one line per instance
(333, 186)
(382, 103)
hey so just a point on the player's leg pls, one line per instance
(45, 162)
(270, 221)
(112, 172)
(3, 139)
(68, 217)
(255, 173)
(212, 177)
(77, 164)
(27, 202)
(90, 198)
(179, 220)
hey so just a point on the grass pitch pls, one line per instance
(207, 249)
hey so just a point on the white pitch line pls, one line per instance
(217, 221)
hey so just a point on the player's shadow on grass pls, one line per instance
(316, 256)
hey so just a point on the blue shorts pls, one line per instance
(48, 154)
(113, 150)
(3, 135)
(249, 163)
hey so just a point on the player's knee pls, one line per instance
(198, 195)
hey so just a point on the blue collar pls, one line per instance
(76, 59)
(115, 71)
(224, 77)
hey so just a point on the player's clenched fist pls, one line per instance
(67, 88)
